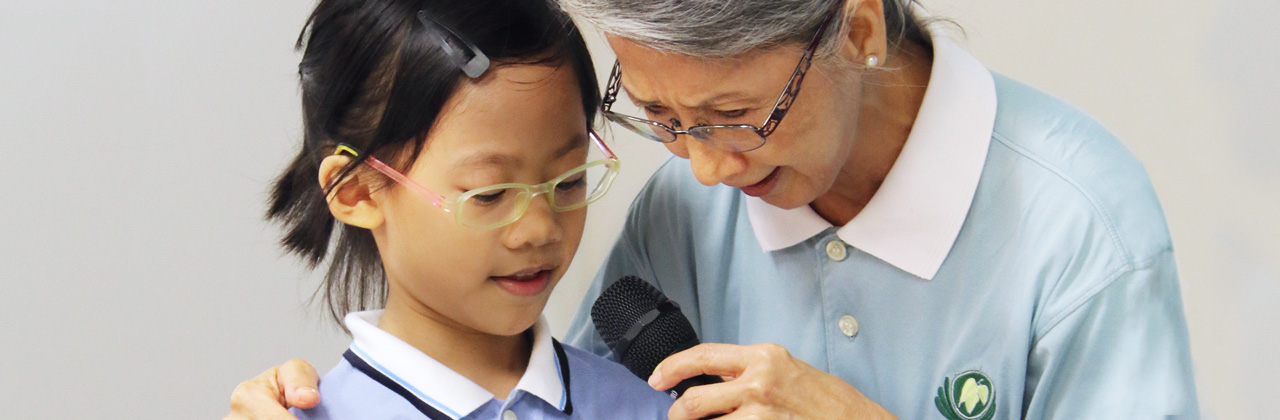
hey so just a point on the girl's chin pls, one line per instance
(516, 324)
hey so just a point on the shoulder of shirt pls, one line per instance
(674, 181)
(348, 394)
(1058, 140)
(594, 371)
(674, 191)
(605, 383)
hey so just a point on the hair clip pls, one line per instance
(457, 46)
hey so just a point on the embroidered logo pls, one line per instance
(970, 397)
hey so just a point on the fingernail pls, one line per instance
(310, 390)
(655, 379)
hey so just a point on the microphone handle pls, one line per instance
(680, 388)
(684, 385)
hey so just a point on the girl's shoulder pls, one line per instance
(347, 393)
(601, 388)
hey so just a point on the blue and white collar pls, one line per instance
(438, 391)
(915, 217)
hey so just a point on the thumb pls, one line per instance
(300, 383)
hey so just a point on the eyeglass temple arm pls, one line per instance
(793, 86)
(611, 91)
(788, 97)
(607, 151)
(436, 199)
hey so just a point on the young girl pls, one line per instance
(451, 140)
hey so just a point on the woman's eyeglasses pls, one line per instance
(498, 205)
(731, 137)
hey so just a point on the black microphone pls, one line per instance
(643, 327)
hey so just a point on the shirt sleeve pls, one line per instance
(1123, 352)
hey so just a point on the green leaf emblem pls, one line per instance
(971, 396)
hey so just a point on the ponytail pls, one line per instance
(298, 203)
(354, 280)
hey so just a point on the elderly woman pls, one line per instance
(874, 225)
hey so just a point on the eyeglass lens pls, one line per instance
(735, 138)
(732, 138)
(503, 204)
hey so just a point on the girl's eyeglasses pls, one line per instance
(498, 205)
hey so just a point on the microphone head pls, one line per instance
(624, 303)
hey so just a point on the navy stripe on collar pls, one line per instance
(394, 386)
(564, 375)
(432, 412)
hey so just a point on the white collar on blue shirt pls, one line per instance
(443, 389)
(914, 218)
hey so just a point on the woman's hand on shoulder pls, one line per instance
(269, 395)
(761, 381)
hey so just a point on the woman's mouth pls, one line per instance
(765, 185)
(526, 282)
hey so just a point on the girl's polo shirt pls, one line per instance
(382, 377)
(1015, 263)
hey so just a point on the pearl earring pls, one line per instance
(873, 61)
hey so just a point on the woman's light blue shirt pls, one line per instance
(1048, 291)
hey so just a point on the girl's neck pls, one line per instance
(494, 362)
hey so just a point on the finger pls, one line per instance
(754, 412)
(258, 399)
(703, 359)
(707, 400)
(299, 381)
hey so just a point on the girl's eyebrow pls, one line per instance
(500, 159)
(485, 159)
(577, 141)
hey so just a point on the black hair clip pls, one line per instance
(465, 55)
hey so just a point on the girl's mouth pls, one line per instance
(525, 283)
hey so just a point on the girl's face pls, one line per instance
(520, 123)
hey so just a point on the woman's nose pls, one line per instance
(711, 164)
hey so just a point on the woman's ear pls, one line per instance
(866, 36)
(351, 201)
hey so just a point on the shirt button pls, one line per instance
(849, 325)
(509, 415)
(837, 251)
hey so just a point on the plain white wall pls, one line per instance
(139, 137)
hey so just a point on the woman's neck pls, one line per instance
(890, 99)
(494, 362)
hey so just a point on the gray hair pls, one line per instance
(725, 28)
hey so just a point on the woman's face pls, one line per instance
(517, 124)
(798, 162)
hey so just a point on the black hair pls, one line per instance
(372, 76)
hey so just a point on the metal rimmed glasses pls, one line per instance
(498, 205)
(731, 137)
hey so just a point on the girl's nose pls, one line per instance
(539, 226)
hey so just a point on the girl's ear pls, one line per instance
(351, 201)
